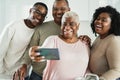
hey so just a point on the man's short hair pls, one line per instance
(42, 4)
(64, 0)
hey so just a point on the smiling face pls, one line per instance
(59, 8)
(37, 15)
(103, 24)
(69, 28)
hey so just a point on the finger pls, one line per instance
(32, 57)
(21, 74)
(39, 59)
(35, 56)
(14, 76)
(80, 37)
(88, 41)
(32, 49)
(86, 38)
(21, 77)
(33, 52)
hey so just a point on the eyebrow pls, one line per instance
(39, 12)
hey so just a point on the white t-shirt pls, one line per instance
(13, 42)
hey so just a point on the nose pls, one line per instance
(39, 17)
(67, 27)
(98, 21)
(59, 11)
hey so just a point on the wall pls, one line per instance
(19, 9)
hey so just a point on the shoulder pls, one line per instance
(45, 26)
(114, 39)
(50, 42)
(83, 44)
(15, 23)
(113, 43)
(84, 47)
(48, 23)
(11, 25)
(9, 29)
(53, 37)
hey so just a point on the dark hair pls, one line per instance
(42, 4)
(115, 19)
(63, 0)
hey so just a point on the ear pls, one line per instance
(69, 9)
(61, 27)
(30, 10)
(78, 25)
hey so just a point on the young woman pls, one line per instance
(105, 51)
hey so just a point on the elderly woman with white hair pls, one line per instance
(74, 54)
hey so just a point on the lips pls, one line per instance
(98, 27)
(36, 20)
(68, 31)
(59, 16)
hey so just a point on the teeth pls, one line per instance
(36, 20)
(98, 26)
(59, 16)
(68, 31)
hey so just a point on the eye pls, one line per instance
(38, 12)
(104, 20)
(56, 9)
(63, 9)
(72, 24)
(65, 24)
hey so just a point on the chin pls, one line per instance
(67, 37)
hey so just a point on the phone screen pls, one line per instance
(49, 53)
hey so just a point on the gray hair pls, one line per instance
(72, 15)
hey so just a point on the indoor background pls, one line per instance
(19, 9)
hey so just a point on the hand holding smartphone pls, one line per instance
(49, 53)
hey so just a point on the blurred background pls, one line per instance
(19, 9)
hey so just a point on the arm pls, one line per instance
(113, 58)
(5, 39)
(26, 61)
(35, 40)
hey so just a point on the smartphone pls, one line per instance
(49, 53)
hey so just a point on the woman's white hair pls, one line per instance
(72, 15)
